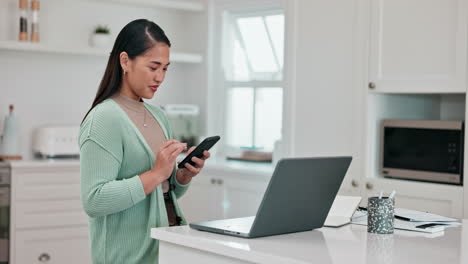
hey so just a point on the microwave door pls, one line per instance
(422, 154)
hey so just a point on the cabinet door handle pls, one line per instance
(44, 257)
(354, 183)
(372, 85)
(213, 181)
(220, 182)
(369, 186)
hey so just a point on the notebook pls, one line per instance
(360, 218)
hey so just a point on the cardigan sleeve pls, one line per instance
(101, 193)
(180, 189)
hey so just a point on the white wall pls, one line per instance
(59, 88)
(320, 116)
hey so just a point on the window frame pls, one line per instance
(232, 16)
(220, 12)
(275, 78)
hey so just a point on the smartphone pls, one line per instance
(206, 144)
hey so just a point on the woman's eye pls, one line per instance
(164, 69)
(153, 69)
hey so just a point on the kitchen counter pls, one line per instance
(215, 164)
(44, 163)
(344, 245)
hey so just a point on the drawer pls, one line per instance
(52, 246)
(37, 186)
(49, 213)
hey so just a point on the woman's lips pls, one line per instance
(154, 88)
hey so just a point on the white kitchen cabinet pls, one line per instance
(203, 199)
(411, 57)
(414, 53)
(418, 46)
(223, 193)
(48, 223)
(47, 197)
(351, 186)
(53, 246)
(437, 198)
(242, 197)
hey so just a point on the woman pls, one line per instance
(129, 182)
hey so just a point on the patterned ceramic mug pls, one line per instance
(380, 215)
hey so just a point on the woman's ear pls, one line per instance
(124, 62)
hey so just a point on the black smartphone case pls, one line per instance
(206, 144)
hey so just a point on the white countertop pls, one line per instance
(44, 163)
(345, 245)
(215, 164)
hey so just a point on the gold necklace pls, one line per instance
(144, 113)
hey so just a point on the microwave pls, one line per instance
(423, 150)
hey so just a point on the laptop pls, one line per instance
(298, 198)
(342, 210)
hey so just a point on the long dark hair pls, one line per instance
(135, 38)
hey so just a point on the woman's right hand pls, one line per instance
(166, 157)
(164, 165)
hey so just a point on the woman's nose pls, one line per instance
(159, 77)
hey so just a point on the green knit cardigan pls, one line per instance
(113, 153)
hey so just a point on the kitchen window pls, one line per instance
(252, 62)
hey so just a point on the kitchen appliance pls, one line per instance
(56, 142)
(4, 212)
(425, 150)
(184, 119)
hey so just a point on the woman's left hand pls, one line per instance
(186, 174)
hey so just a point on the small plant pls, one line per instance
(100, 37)
(101, 30)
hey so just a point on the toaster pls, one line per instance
(56, 142)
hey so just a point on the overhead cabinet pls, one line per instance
(418, 46)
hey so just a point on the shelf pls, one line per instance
(44, 48)
(185, 5)
(180, 5)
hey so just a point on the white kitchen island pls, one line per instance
(345, 245)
